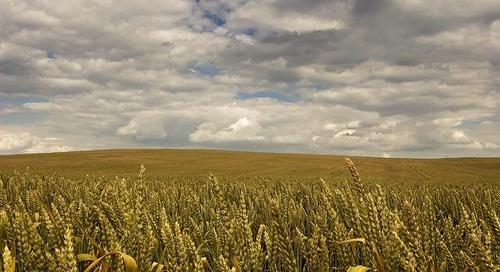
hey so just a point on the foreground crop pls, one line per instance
(57, 224)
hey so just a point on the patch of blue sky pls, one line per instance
(471, 122)
(267, 94)
(20, 100)
(320, 86)
(250, 31)
(51, 55)
(206, 69)
(215, 18)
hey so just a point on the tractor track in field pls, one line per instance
(422, 173)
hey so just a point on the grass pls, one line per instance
(199, 163)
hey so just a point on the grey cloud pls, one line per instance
(17, 60)
(367, 7)
(390, 35)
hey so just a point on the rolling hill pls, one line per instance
(186, 162)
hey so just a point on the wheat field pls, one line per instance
(53, 223)
(199, 163)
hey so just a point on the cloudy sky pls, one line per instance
(400, 78)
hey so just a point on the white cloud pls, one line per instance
(345, 133)
(27, 143)
(386, 155)
(261, 13)
(17, 142)
(241, 130)
(331, 127)
(48, 148)
(146, 125)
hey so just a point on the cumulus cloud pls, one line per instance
(146, 125)
(27, 143)
(383, 77)
(10, 143)
(242, 129)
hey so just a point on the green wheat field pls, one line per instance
(202, 210)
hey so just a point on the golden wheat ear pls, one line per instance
(355, 175)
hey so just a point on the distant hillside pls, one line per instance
(175, 162)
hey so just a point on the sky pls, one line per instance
(389, 78)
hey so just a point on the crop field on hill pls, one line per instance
(199, 163)
(285, 219)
